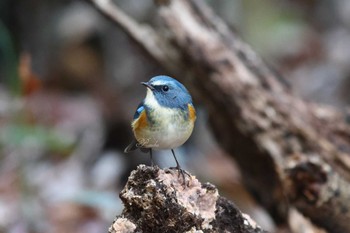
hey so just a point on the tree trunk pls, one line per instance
(291, 153)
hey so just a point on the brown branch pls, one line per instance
(147, 37)
(315, 186)
(252, 113)
(156, 200)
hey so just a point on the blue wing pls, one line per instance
(139, 110)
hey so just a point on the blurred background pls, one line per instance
(69, 86)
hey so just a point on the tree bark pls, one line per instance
(158, 200)
(253, 113)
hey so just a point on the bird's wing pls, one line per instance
(140, 111)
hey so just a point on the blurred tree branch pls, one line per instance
(253, 114)
(147, 37)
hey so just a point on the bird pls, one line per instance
(164, 119)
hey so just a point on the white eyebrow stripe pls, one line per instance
(158, 83)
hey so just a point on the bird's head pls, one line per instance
(166, 92)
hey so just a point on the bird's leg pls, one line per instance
(151, 156)
(177, 162)
(181, 171)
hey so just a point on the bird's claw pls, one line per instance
(182, 173)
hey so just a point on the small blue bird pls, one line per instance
(164, 119)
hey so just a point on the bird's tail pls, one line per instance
(135, 145)
(131, 147)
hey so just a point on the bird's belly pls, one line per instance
(173, 136)
(166, 134)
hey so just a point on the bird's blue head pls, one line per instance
(167, 92)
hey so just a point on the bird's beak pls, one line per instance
(146, 84)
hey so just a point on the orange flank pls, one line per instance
(140, 123)
(192, 112)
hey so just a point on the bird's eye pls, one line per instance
(165, 88)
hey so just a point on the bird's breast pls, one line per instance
(166, 128)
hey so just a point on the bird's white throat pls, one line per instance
(150, 100)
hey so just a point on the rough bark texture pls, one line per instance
(254, 115)
(315, 184)
(156, 200)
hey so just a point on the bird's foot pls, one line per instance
(182, 173)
